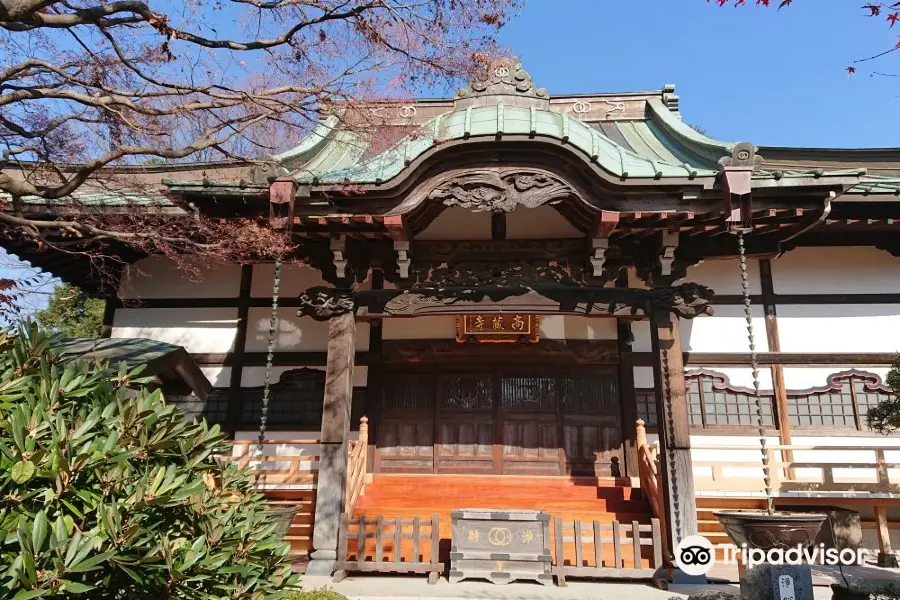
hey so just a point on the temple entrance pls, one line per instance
(500, 420)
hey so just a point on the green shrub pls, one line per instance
(106, 492)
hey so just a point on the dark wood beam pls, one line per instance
(238, 354)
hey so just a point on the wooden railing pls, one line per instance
(651, 482)
(270, 469)
(846, 469)
(356, 469)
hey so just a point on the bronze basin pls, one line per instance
(759, 529)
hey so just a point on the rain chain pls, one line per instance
(270, 358)
(754, 364)
(670, 434)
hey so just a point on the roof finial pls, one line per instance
(502, 81)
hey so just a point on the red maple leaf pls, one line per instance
(851, 70)
(893, 18)
(874, 9)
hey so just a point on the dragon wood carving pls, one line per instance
(482, 191)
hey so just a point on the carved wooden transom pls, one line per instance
(490, 190)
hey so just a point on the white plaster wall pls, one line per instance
(456, 223)
(642, 340)
(294, 334)
(843, 270)
(199, 330)
(543, 222)
(839, 327)
(801, 378)
(741, 376)
(701, 452)
(724, 276)
(560, 327)
(256, 376)
(419, 328)
(219, 377)
(643, 377)
(295, 280)
(725, 331)
(157, 277)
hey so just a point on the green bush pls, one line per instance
(106, 492)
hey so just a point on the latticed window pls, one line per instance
(295, 402)
(843, 402)
(714, 403)
(646, 406)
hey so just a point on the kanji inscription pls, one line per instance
(505, 327)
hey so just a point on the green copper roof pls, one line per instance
(96, 199)
(496, 121)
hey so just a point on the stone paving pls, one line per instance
(722, 578)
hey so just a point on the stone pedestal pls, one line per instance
(778, 582)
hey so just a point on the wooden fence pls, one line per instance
(270, 469)
(413, 543)
(608, 550)
(795, 468)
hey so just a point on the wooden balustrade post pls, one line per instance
(333, 455)
(641, 434)
(886, 557)
(364, 455)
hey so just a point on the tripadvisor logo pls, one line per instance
(695, 555)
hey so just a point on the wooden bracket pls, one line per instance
(399, 231)
(606, 223)
(339, 257)
(282, 193)
(667, 256)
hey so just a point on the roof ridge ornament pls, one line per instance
(504, 81)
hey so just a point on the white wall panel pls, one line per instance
(839, 327)
(801, 378)
(642, 340)
(294, 334)
(157, 277)
(725, 331)
(561, 327)
(643, 377)
(543, 222)
(219, 377)
(199, 330)
(256, 376)
(295, 280)
(741, 376)
(456, 223)
(838, 270)
(724, 276)
(419, 328)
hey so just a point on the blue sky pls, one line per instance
(762, 75)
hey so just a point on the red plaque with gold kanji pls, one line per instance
(506, 327)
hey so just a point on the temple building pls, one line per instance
(517, 301)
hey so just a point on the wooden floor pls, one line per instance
(585, 499)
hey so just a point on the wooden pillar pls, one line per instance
(781, 405)
(240, 342)
(886, 556)
(332, 481)
(112, 302)
(674, 429)
(627, 401)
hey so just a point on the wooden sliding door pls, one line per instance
(501, 420)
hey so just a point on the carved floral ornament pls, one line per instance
(503, 77)
(481, 191)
